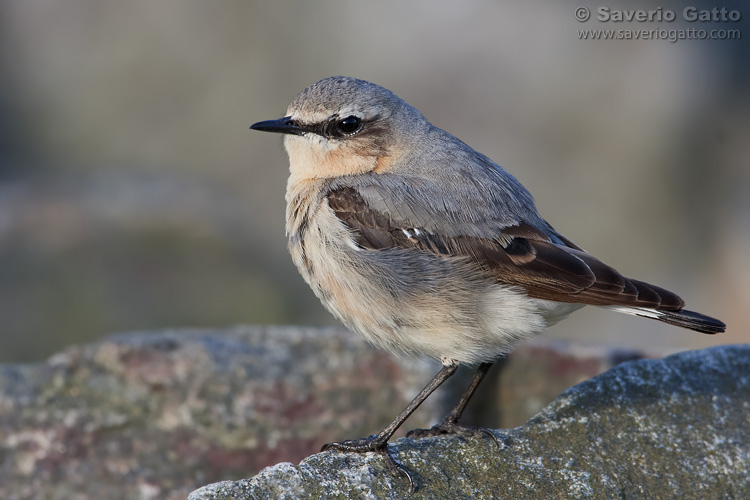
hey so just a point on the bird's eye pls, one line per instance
(349, 125)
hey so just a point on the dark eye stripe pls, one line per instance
(336, 127)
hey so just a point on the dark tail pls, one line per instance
(682, 318)
(692, 320)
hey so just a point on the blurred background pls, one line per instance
(134, 197)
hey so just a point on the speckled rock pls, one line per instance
(670, 428)
(156, 415)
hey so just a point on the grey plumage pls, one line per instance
(425, 246)
(482, 245)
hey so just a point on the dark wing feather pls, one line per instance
(519, 255)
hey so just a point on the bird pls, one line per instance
(427, 247)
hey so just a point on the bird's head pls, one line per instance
(344, 126)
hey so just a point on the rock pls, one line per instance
(155, 415)
(537, 372)
(670, 428)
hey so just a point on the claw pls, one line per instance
(372, 444)
(453, 428)
(397, 468)
(379, 442)
(356, 445)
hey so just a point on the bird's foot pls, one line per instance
(451, 427)
(376, 445)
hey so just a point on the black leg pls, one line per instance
(450, 424)
(379, 442)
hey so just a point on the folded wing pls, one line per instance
(519, 255)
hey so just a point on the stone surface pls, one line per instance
(537, 372)
(670, 428)
(156, 415)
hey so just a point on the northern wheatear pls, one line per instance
(427, 247)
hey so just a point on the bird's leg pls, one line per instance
(379, 442)
(450, 424)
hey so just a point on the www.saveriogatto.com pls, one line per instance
(691, 23)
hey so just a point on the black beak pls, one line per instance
(281, 126)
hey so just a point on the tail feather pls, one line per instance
(693, 321)
(682, 318)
